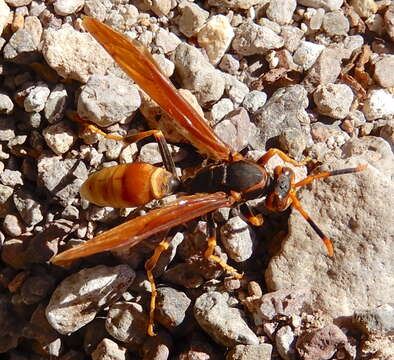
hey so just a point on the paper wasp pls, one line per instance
(230, 180)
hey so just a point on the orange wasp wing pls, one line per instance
(135, 230)
(139, 64)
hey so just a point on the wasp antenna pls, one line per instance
(311, 178)
(327, 242)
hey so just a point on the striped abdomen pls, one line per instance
(128, 185)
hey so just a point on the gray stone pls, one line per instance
(251, 352)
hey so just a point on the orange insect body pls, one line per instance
(128, 185)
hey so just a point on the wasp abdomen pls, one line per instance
(128, 185)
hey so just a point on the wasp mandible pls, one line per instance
(230, 180)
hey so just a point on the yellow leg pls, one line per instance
(209, 255)
(271, 152)
(149, 266)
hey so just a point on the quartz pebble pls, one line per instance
(307, 54)
(108, 349)
(59, 137)
(383, 71)
(192, 18)
(379, 103)
(67, 7)
(281, 11)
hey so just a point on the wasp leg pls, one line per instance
(168, 161)
(311, 178)
(211, 248)
(271, 152)
(149, 266)
(250, 216)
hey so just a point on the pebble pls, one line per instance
(335, 23)
(281, 11)
(321, 343)
(235, 129)
(292, 36)
(198, 74)
(59, 137)
(161, 7)
(21, 48)
(329, 5)
(29, 209)
(215, 37)
(293, 142)
(108, 349)
(364, 8)
(237, 238)
(254, 100)
(79, 60)
(11, 177)
(12, 225)
(389, 21)
(36, 98)
(285, 109)
(54, 170)
(4, 15)
(55, 105)
(253, 39)
(36, 288)
(127, 322)
(166, 66)
(307, 54)
(192, 18)
(229, 64)
(106, 100)
(235, 89)
(333, 100)
(5, 197)
(243, 352)
(285, 343)
(226, 325)
(383, 74)
(220, 109)
(379, 103)
(171, 307)
(18, 3)
(158, 347)
(6, 104)
(166, 41)
(112, 148)
(79, 297)
(236, 4)
(67, 7)
(379, 320)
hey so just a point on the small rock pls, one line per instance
(285, 342)
(79, 297)
(166, 41)
(29, 209)
(229, 64)
(378, 320)
(329, 5)
(67, 7)
(281, 11)
(237, 238)
(192, 18)
(215, 37)
(127, 322)
(160, 7)
(197, 74)
(254, 100)
(21, 48)
(251, 39)
(382, 73)
(158, 347)
(12, 225)
(171, 307)
(335, 23)
(333, 100)
(56, 104)
(236, 4)
(293, 142)
(292, 36)
(36, 98)
(36, 288)
(322, 343)
(11, 177)
(108, 349)
(4, 15)
(307, 54)
(107, 99)
(389, 20)
(6, 104)
(220, 109)
(285, 109)
(59, 137)
(243, 352)
(379, 103)
(166, 66)
(224, 324)
(34, 26)
(235, 89)
(364, 8)
(234, 130)
(80, 59)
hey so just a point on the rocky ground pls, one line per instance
(314, 78)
